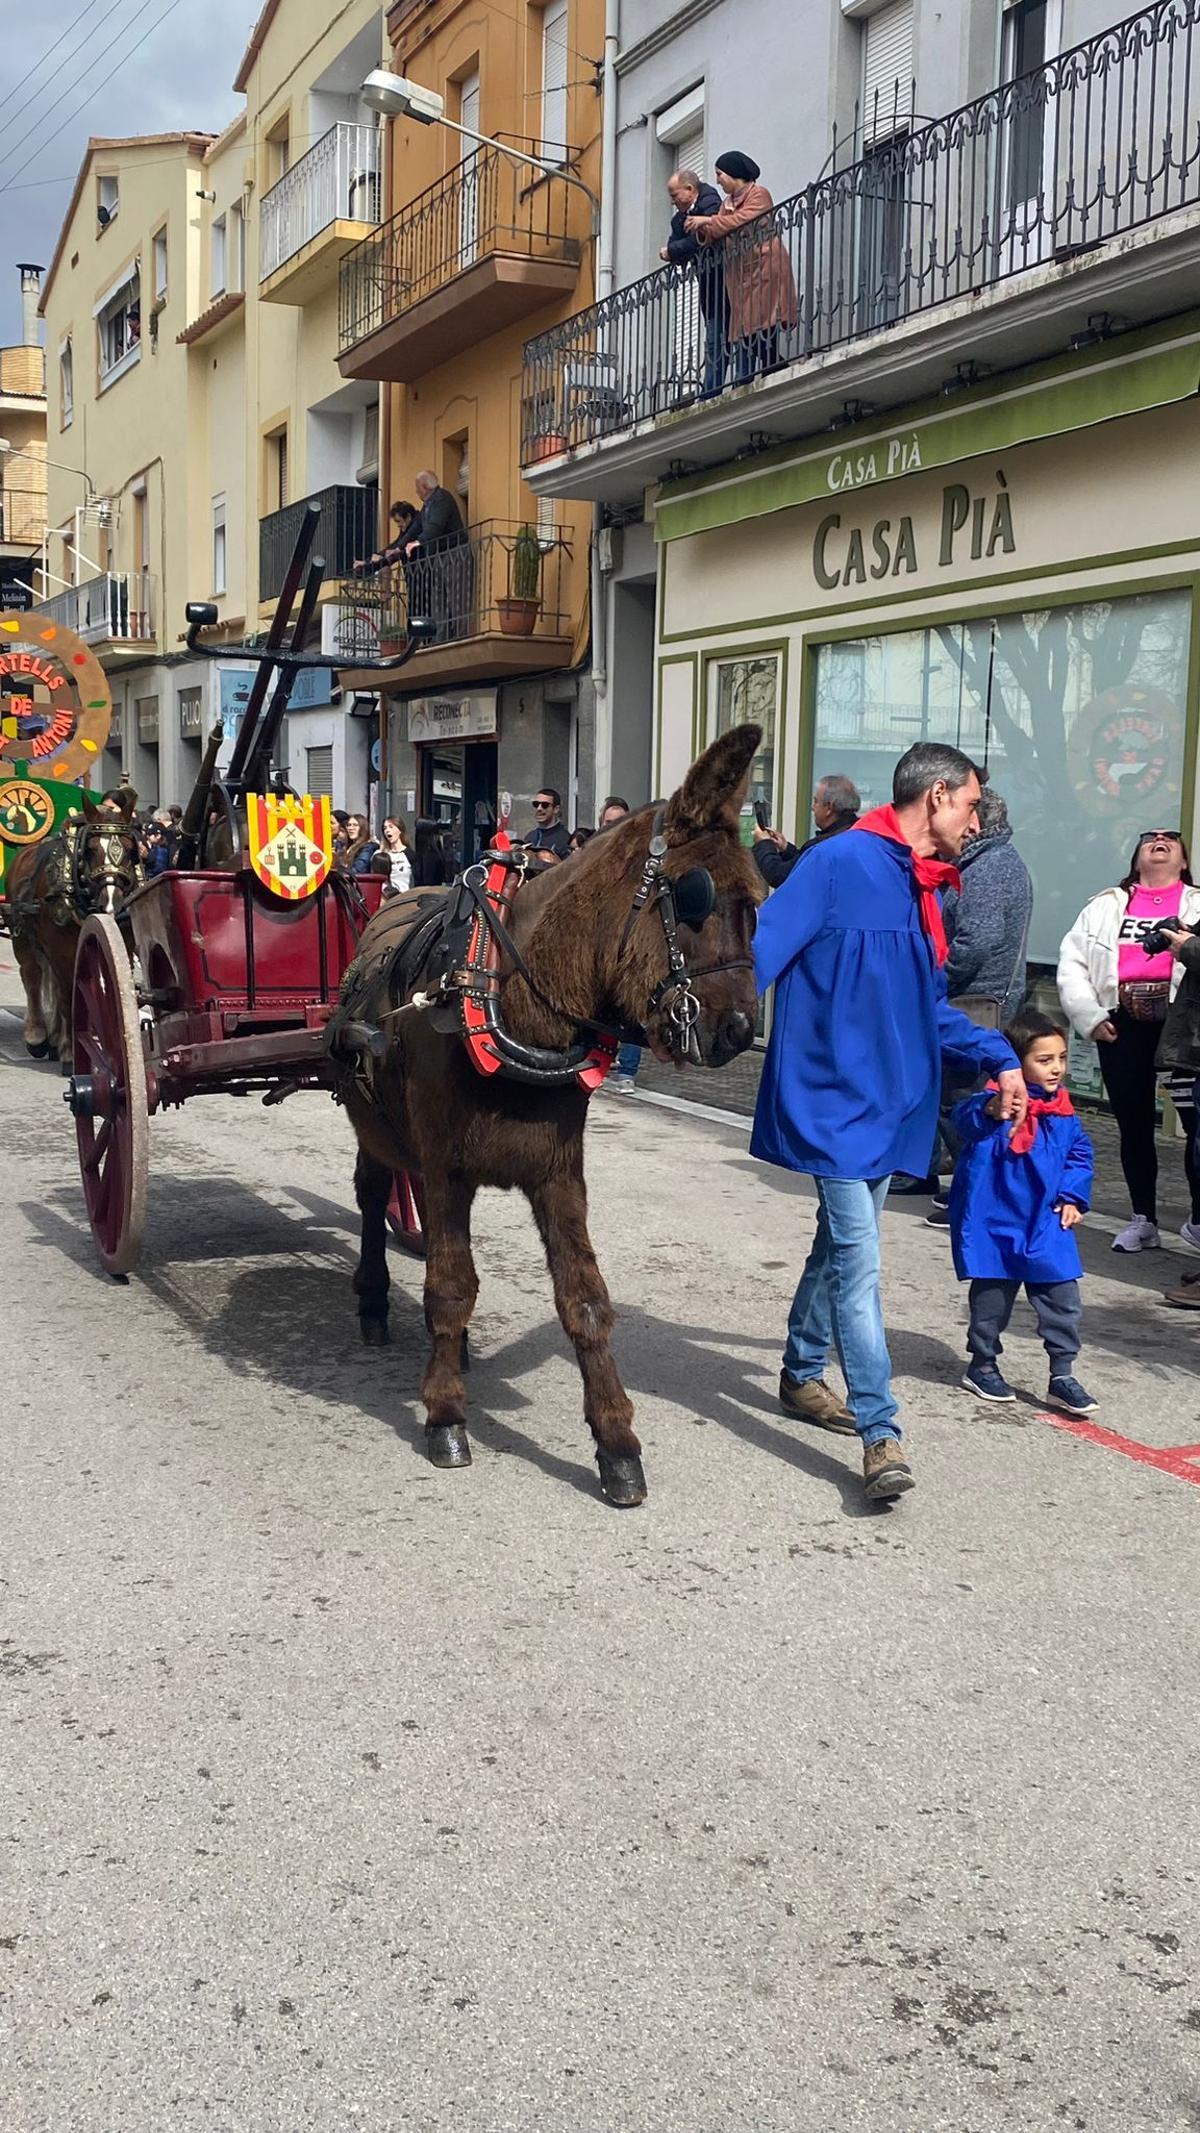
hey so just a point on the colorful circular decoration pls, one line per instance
(1126, 746)
(26, 812)
(55, 703)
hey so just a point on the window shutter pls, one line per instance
(320, 772)
(689, 153)
(888, 71)
(281, 464)
(554, 81)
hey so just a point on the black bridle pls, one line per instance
(688, 900)
(96, 876)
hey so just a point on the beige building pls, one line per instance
(124, 466)
(23, 454)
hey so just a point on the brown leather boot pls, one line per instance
(812, 1401)
(1187, 1296)
(886, 1471)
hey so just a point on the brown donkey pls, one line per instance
(91, 864)
(648, 928)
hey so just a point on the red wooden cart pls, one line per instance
(235, 980)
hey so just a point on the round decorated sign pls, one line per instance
(26, 812)
(1124, 747)
(55, 703)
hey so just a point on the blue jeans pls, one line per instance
(837, 1303)
(629, 1059)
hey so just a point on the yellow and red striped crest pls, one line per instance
(291, 841)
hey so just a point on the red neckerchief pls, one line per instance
(1023, 1136)
(930, 875)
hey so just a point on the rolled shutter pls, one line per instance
(888, 71)
(554, 81)
(320, 772)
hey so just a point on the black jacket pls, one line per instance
(550, 837)
(1180, 1045)
(438, 520)
(775, 866)
(682, 250)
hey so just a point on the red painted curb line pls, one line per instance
(1177, 1460)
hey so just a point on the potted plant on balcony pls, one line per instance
(519, 611)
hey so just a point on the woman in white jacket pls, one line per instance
(1118, 996)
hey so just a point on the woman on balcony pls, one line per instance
(759, 284)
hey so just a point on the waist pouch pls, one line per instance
(1145, 999)
(979, 1008)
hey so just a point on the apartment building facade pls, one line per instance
(483, 241)
(946, 493)
(23, 454)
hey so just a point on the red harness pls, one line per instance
(482, 968)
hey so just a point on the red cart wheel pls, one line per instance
(406, 1212)
(107, 1094)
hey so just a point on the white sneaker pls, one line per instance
(1190, 1232)
(1140, 1235)
(619, 1084)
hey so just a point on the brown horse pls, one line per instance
(619, 936)
(91, 864)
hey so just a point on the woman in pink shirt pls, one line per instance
(1117, 994)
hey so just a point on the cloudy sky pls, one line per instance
(171, 64)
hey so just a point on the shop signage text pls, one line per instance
(972, 526)
(452, 718)
(878, 462)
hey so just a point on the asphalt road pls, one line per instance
(338, 1793)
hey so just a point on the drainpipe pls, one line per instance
(605, 282)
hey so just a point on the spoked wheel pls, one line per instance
(406, 1212)
(107, 1094)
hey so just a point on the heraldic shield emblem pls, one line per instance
(291, 842)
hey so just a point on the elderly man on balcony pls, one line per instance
(758, 273)
(689, 195)
(438, 550)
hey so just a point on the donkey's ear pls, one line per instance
(712, 793)
(126, 800)
(91, 806)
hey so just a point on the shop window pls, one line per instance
(747, 691)
(1078, 714)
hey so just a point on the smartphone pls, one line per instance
(762, 814)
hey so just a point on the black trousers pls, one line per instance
(1130, 1078)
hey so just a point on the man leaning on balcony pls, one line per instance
(439, 560)
(689, 195)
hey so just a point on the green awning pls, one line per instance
(1125, 377)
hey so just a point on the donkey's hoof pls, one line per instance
(374, 1332)
(39, 1051)
(622, 1479)
(448, 1444)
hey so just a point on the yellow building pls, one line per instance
(23, 454)
(478, 250)
(123, 462)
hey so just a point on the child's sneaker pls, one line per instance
(985, 1381)
(1068, 1395)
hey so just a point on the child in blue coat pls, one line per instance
(1017, 1195)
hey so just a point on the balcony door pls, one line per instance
(680, 131)
(470, 174)
(1032, 36)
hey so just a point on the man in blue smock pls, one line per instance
(854, 944)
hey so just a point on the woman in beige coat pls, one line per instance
(759, 282)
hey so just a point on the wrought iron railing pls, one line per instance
(484, 584)
(1098, 142)
(22, 515)
(346, 531)
(337, 181)
(486, 204)
(115, 608)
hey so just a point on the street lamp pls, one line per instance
(14, 451)
(396, 97)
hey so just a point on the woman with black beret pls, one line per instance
(759, 282)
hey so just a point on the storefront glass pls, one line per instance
(747, 692)
(1078, 713)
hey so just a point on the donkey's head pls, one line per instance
(702, 888)
(106, 864)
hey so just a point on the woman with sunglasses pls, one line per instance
(1117, 990)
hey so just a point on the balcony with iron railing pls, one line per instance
(1060, 205)
(346, 531)
(312, 216)
(113, 611)
(499, 598)
(488, 244)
